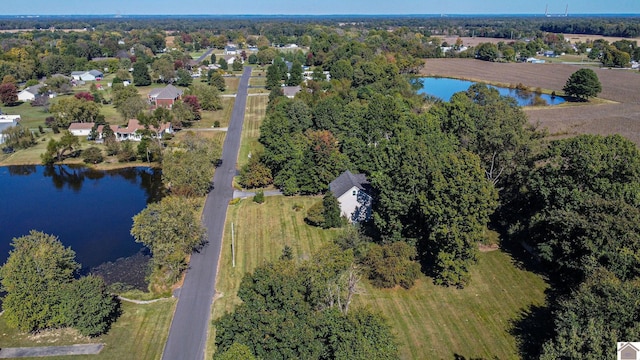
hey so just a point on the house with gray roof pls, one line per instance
(7, 121)
(30, 93)
(91, 75)
(352, 192)
(165, 96)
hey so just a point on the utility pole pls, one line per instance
(233, 247)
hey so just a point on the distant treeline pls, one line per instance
(507, 27)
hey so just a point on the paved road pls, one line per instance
(188, 333)
(205, 55)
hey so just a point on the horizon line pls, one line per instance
(336, 14)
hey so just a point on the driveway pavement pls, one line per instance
(191, 321)
(43, 351)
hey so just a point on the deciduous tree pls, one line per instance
(8, 93)
(583, 84)
(171, 230)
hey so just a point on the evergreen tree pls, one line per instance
(273, 77)
(141, 75)
(295, 75)
(331, 211)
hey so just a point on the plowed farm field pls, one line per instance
(616, 111)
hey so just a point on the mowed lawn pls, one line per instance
(261, 232)
(435, 322)
(140, 333)
(430, 322)
(223, 115)
(253, 117)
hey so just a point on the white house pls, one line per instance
(81, 129)
(230, 50)
(7, 121)
(133, 131)
(91, 75)
(351, 191)
(30, 93)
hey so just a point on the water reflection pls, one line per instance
(91, 211)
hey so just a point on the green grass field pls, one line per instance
(261, 232)
(223, 115)
(253, 116)
(232, 83)
(434, 322)
(430, 322)
(140, 333)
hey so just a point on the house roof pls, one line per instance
(346, 181)
(34, 89)
(95, 73)
(134, 125)
(169, 92)
(291, 91)
(9, 118)
(81, 126)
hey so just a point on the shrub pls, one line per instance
(259, 197)
(392, 264)
(216, 124)
(315, 214)
(92, 155)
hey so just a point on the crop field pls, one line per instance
(616, 111)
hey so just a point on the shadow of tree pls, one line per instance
(531, 329)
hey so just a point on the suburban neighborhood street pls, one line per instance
(191, 321)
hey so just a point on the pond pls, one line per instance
(90, 211)
(444, 88)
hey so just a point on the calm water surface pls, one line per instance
(444, 88)
(88, 210)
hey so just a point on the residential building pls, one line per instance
(165, 97)
(352, 192)
(30, 93)
(81, 129)
(91, 75)
(133, 131)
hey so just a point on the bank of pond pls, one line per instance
(88, 210)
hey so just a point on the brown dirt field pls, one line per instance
(471, 41)
(620, 114)
(576, 38)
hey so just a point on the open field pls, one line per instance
(223, 115)
(139, 333)
(232, 83)
(254, 114)
(434, 322)
(577, 38)
(619, 114)
(429, 321)
(261, 232)
(572, 38)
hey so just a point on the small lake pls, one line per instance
(444, 88)
(90, 211)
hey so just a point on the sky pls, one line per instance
(311, 7)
